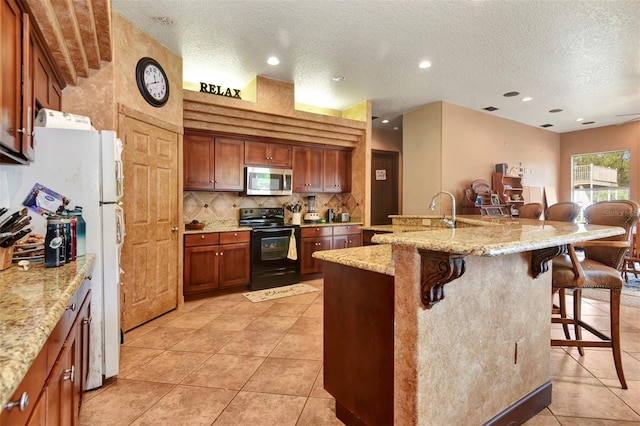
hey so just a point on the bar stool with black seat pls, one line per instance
(530, 211)
(598, 270)
(566, 211)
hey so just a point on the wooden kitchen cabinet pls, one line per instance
(16, 87)
(313, 239)
(213, 163)
(55, 382)
(267, 154)
(215, 260)
(336, 170)
(47, 89)
(307, 169)
(346, 236)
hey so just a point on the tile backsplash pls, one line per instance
(223, 206)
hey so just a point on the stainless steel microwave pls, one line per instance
(268, 181)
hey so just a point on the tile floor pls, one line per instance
(227, 361)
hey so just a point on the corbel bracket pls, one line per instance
(438, 269)
(541, 257)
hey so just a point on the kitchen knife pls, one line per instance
(8, 222)
(18, 235)
(3, 210)
(20, 223)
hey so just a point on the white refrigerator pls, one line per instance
(84, 166)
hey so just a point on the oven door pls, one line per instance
(271, 263)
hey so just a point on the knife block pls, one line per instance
(6, 255)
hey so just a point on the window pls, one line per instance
(600, 176)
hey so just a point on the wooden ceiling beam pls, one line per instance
(69, 25)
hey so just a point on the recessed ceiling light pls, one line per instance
(555, 110)
(511, 94)
(424, 64)
(385, 121)
(490, 108)
(273, 61)
(527, 99)
(338, 78)
(579, 119)
(588, 122)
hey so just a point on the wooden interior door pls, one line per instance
(150, 255)
(384, 189)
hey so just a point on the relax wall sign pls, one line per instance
(218, 90)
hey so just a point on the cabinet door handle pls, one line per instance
(71, 374)
(235, 234)
(87, 320)
(71, 307)
(88, 277)
(22, 403)
(221, 253)
(216, 254)
(202, 237)
(23, 130)
(174, 229)
(210, 181)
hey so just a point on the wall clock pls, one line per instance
(152, 82)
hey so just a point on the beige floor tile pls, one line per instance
(252, 343)
(299, 346)
(543, 418)
(580, 421)
(306, 325)
(599, 362)
(192, 320)
(169, 367)
(191, 305)
(187, 405)
(272, 324)
(249, 308)
(630, 396)
(286, 310)
(317, 391)
(216, 306)
(224, 371)
(584, 397)
(284, 376)
(635, 355)
(630, 342)
(169, 316)
(121, 403)
(563, 364)
(138, 331)
(132, 358)
(314, 311)
(261, 409)
(160, 338)
(229, 322)
(319, 412)
(232, 297)
(205, 340)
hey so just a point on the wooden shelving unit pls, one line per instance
(479, 199)
(509, 189)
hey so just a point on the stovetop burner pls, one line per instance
(263, 217)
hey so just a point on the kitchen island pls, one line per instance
(397, 351)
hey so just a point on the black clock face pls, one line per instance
(152, 82)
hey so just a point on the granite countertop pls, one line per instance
(477, 236)
(376, 258)
(316, 224)
(31, 304)
(234, 227)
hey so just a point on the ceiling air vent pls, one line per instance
(555, 110)
(490, 108)
(546, 125)
(373, 117)
(588, 122)
(511, 94)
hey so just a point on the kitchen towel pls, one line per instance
(293, 253)
(62, 120)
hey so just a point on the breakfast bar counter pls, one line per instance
(444, 326)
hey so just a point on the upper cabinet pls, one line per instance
(27, 84)
(307, 169)
(267, 154)
(337, 171)
(213, 163)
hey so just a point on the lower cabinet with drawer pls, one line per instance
(51, 391)
(316, 238)
(216, 260)
(346, 236)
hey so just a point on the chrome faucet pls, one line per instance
(450, 223)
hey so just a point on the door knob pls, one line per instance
(174, 229)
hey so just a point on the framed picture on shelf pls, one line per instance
(495, 200)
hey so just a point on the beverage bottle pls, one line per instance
(54, 254)
(74, 236)
(81, 231)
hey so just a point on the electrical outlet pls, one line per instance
(426, 222)
(518, 350)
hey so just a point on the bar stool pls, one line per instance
(566, 211)
(530, 211)
(598, 269)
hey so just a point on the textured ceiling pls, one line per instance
(579, 56)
